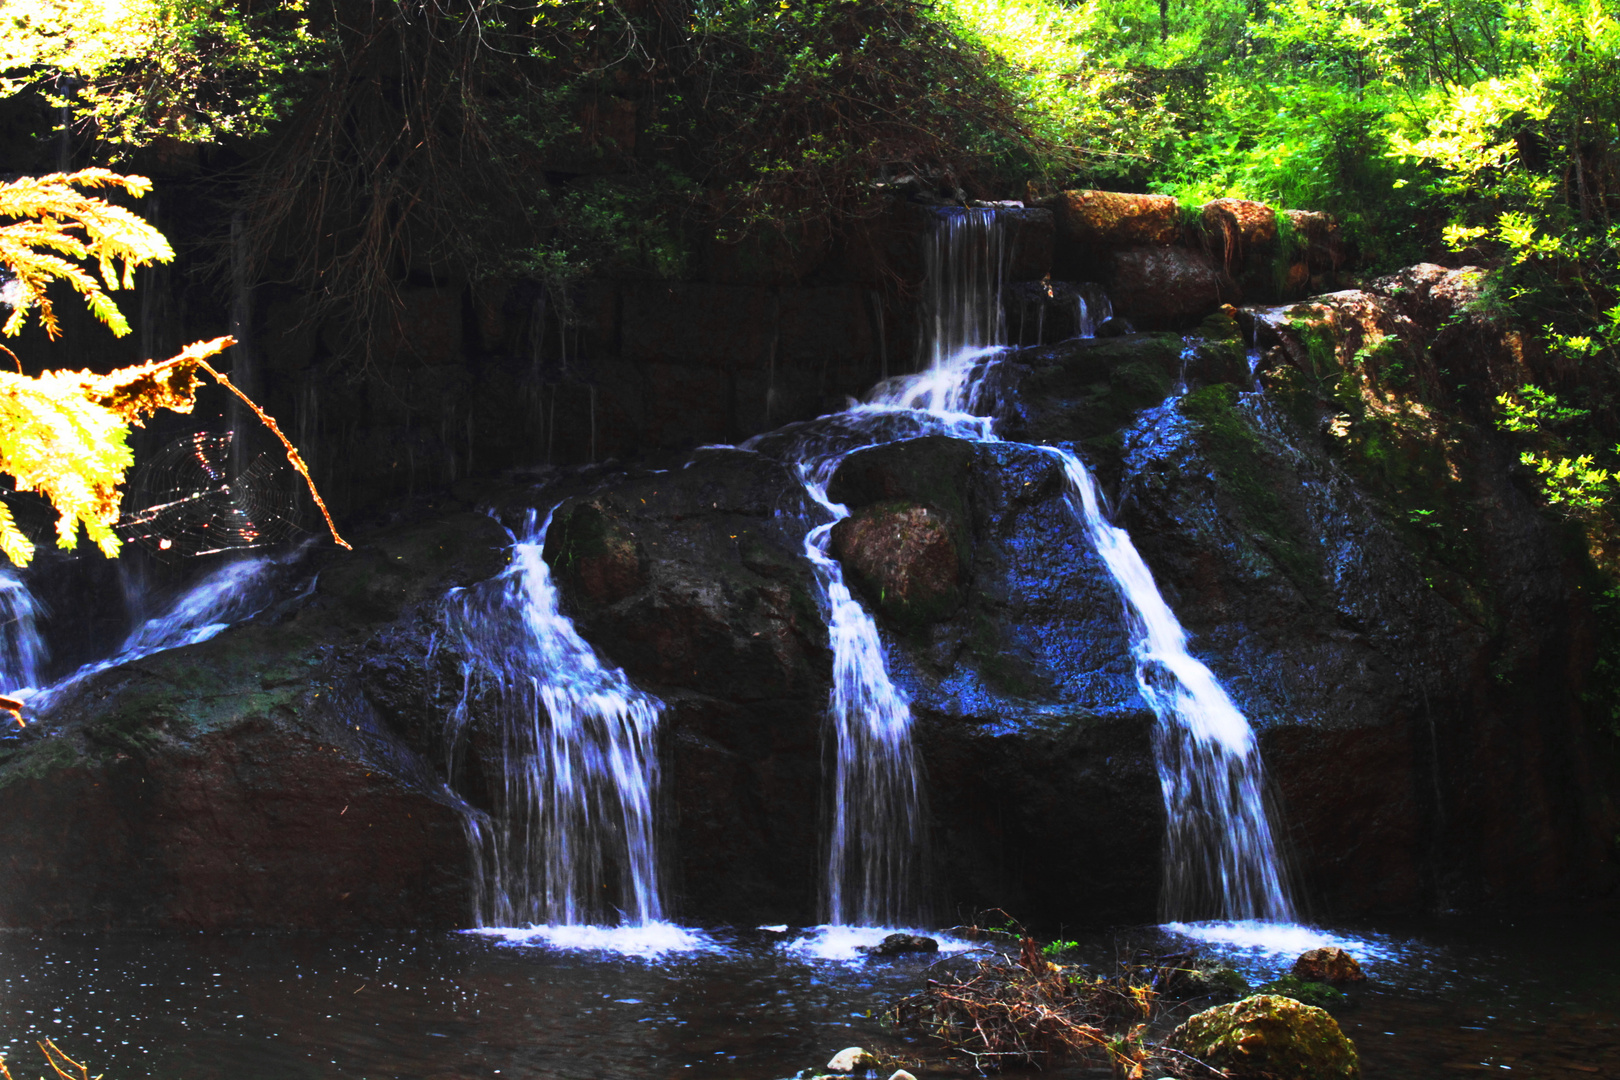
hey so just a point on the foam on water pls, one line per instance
(649, 941)
(844, 943)
(1261, 939)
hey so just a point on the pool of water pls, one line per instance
(1500, 999)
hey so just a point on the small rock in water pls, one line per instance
(900, 944)
(849, 1059)
(901, 1074)
(1329, 965)
(1114, 327)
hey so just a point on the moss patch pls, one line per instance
(1269, 1036)
(1250, 483)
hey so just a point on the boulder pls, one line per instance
(903, 945)
(851, 1058)
(251, 780)
(713, 610)
(1267, 1037)
(1114, 219)
(1166, 287)
(1330, 965)
(903, 559)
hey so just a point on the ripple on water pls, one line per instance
(648, 941)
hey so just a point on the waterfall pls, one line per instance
(1220, 856)
(22, 650)
(572, 745)
(876, 832)
(231, 594)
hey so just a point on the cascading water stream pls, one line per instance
(875, 836)
(231, 594)
(1220, 857)
(1220, 854)
(22, 650)
(572, 745)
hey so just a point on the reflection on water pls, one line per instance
(1539, 1001)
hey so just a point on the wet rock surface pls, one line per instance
(902, 945)
(1350, 551)
(247, 780)
(1330, 965)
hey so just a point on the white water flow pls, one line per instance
(571, 745)
(876, 830)
(22, 650)
(1220, 855)
(229, 595)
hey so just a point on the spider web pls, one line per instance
(190, 499)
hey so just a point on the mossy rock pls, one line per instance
(1269, 1037)
(1305, 991)
(1208, 979)
(1249, 480)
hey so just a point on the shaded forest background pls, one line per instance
(346, 152)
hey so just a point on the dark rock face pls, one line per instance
(1350, 552)
(694, 582)
(1387, 605)
(1167, 287)
(248, 780)
(1027, 715)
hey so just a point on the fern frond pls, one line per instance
(13, 544)
(56, 217)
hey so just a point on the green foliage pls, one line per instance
(1054, 949)
(186, 70)
(1572, 483)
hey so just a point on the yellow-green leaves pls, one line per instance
(65, 434)
(60, 227)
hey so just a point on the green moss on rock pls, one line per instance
(1269, 1037)
(1235, 451)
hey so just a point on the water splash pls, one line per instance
(572, 745)
(647, 941)
(845, 943)
(22, 650)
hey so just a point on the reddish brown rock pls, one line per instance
(903, 558)
(1330, 965)
(1166, 287)
(1116, 219)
